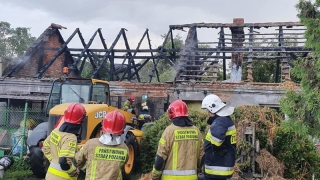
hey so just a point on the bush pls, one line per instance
(295, 151)
(19, 169)
(150, 139)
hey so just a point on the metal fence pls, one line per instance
(15, 126)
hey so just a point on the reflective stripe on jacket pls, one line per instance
(60, 144)
(102, 161)
(182, 149)
(220, 148)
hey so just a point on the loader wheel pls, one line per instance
(38, 163)
(131, 166)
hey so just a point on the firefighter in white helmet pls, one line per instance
(220, 141)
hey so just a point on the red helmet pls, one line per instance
(176, 109)
(132, 98)
(75, 114)
(114, 122)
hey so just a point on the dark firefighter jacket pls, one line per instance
(220, 148)
(102, 161)
(180, 151)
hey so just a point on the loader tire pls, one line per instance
(38, 163)
(133, 160)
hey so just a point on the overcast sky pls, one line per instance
(137, 15)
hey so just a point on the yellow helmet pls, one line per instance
(30, 124)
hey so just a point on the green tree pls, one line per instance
(88, 69)
(165, 70)
(304, 107)
(14, 41)
(265, 70)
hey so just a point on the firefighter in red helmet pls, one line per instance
(105, 156)
(128, 105)
(180, 149)
(60, 146)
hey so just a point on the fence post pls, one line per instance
(5, 122)
(24, 128)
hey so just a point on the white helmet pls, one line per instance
(212, 103)
(145, 108)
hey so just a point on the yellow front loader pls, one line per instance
(95, 97)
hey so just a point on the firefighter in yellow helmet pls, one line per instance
(30, 124)
(104, 157)
(180, 150)
(60, 146)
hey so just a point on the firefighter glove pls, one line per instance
(64, 164)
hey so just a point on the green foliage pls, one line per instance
(265, 119)
(88, 69)
(301, 119)
(150, 139)
(285, 140)
(14, 41)
(297, 153)
(19, 169)
(265, 70)
(304, 106)
(296, 127)
(165, 70)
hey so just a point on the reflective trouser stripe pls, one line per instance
(93, 170)
(184, 177)
(56, 170)
(219, 170)
(179, 172)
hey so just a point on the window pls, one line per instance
(75, 93)
(54, 98)
(100, 93)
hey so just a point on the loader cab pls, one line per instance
(78, 90)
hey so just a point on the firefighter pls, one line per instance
(104, 157)
(220, 140)
(128, 104)
(180, 149)
(60, 146)
(144, 115)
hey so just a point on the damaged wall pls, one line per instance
(38, 55)
(159, 94)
